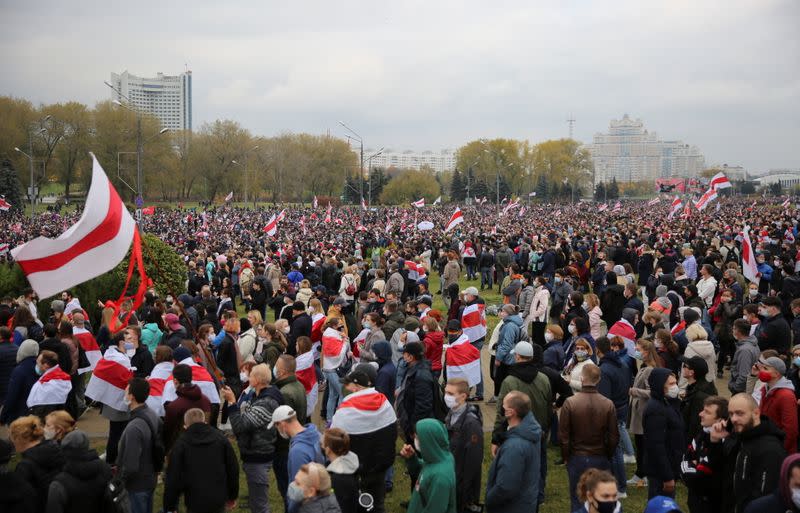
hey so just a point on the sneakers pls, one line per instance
(492, 400)
(629, 459)
(475, 399)
(622, 495)
(638, 482)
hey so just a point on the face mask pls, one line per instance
(606, 506)
(796, 361)
(585, 306)
(548, 336)
(637, 354)
(127, 401)
(571, 329)
(753, 292)
(243, 377)
(49, 434)
(416, 445)
(581, 355)
(211, 336)
(450, 401)
(673, 391)
(295, 493)
(129, 349)
(764, 376)
(283, 434)
(367, 324)
(796, 497)
(762, 312)
(38, 370)
(286, 330)
(275, 371)
(707, 429)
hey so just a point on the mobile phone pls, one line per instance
(729, 426)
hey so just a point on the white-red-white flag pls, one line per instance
(419, 203)
(271, 227)
(521, 212)
(705, 199)
(654, 201)
(675, 207)
(89, 346)
(719, 181)
(455, 219)
(749, 265)
(602, 208)
(473, 321)
(200, 377)
(110, 378)
(281, 216)
(308, 377)
(158, 378)
(512, 205)
(786, 203)
(303, 224)
(229, 197)
(437, 200)
(363, 412)
(334, 348)
(315, 204)
(617, 207)
(51, 388)
(687, 210)
(89, 248)
(463, 360)
(328, 214)
(4, 205)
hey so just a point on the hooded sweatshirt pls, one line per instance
(526, 378)
(705, 350)
(435, 491)
(780, 501)
(746, 355)
(513, 483)
(663, 430)
(779, 404)
(344, 480)
(304, 448)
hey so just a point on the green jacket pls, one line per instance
(435, 491)
(526, 378)
(294, 395)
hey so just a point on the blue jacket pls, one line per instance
(766, 271)
(22, 379)
(509, 336)
(554, 356)
(615, 383)
(513, 484)
(304, 448)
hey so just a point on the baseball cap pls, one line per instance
(472, 291)
(774, 362)
(523, 349)
(424, 300)
(172, 321)
(662, 504)
(280, 414)
(696, 363)
(357, 377)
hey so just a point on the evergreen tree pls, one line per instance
(541, 188)
(600, 192)
(613, 189)
(479, 189)
(10, 188)
(457, 192)
(379, 179)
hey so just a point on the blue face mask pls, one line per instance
(796, 361)
(39, 370)
(637, 355)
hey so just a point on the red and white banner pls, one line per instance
(456, 219)
(749, 265)
(303, 224)
(317, 320)
(705, 199)
(328, 214)
(687, 210)
(617, 207)
(463, 360)
(110, 378)
(229, 197)
(623, 330)
(271, 227)
(281, 216)
(719, 181)
(158, 378)
(675, 207)
(308, 377)
(4, 205)
(419, 203)
(363, 204)
(365, 411)
(603, 207)
(315, 204)
(473, 321)
(90, 347)
(334, 349)
(514, 204)
(654, 201)
(51, 388)
(89, 248)
(437, 200)
(521, 212)
(787, 203)
(200, 377)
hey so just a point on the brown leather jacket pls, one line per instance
(587, 425)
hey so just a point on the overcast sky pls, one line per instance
(720, 74)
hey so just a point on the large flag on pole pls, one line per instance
(91, 247)
(456, 219)
(4, 205)
(315, 203)
(229, 197)
(437, 200)
(749, 266)
(419, 203)
(272, 226)
(719, 181)
(676, 206)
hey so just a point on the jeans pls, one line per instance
(486, 277)
(280, 465)
(334, 392)
(576, 466)
(257, 475)
(542, 471)
(625, 439)
(470, 269)
(479, 387)
(618, 469)
(141, 502)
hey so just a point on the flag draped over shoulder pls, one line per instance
(473, 321)
(308, 377)
(749, 265)
(51, 388)
(110, 378)
(463, 360)
(200, 377)
(158, 378)
(363, 412)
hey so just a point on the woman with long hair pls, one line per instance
(103, 335)
(640, 394)
(271, 345)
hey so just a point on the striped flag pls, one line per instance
(363, 412)
(456, 219)
(719, 181)
(334, 348)
(787, 203)
(200, 377)
(654, 201)
(281, 216)
(512, 205)
(317, 320)
(602, 208)
(110, 378)
(473, 321)
(705, 199)
(90, 347)
(617, 207)
(463, 360)
(419, 203)
(229, 197)
(328, 214)
(315, 203)
(51, 388)
(358, 342)
(308, 377)
(437, 200)
(272, 226)
(675, 207)
(158, 378)
(749, 266)
(521, 212)
(363, 204)
(4, 205)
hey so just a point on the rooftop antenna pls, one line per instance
(571, 122)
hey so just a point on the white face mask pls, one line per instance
(450, 401)
(673, 391)
(796, 497)
(571, 329)
(548, 336)
(707, 429)
(286, 330)
(49, 433)
(416, 445)
(243, 377)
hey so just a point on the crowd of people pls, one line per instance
(318, 349)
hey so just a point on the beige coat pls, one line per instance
(640, 393)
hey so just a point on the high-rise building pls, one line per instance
(629, 153)
(167, 97)
(444, 160)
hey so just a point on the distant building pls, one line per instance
(167, 97)
(788, 178)
(734, 173)
(444, 160)
(630, 153)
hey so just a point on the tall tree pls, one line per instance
(10, 188)
(73, 153)
(613, 189)
(410, 186)
(600, 192)
(457, 192)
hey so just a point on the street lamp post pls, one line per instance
(361, 169)
(244, 171)
(369, 174)
(31, 187)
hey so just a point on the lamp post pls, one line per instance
(244, 171)
(32, 189)
(369, 174)
(361, 169)
(497, 169)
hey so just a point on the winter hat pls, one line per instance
(619, 270)
(411, 323)
(27, 349)
(180, 354)
(75, 440)
(661, 291)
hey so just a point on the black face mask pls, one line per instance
(606, 506)
(453, 337)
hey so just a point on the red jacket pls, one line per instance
(433, 348)
(780, 405)
(189, 396)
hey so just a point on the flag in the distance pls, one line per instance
(437, 200)
(456, 219)
(719, 181)
(749, 266)
(315, 203)
(675, 207)
(4, 205)
(419, 203)
(271, 227)
(229, 197)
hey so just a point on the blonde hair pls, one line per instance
(556, 330)
(62, 420)
(257, 319)
(592, 300)
(26, 429)
(314, 475)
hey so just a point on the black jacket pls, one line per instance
(300, 327)
(692, 404)
(142, 359)
(612, 303)
(615, 383)
(203, 468)
(375, 450)
(774, 333)
(16, 494)
(703, 481)
(8, 360)
(751, 463)
(38, 466)
(79, 488)
(174, 339)
(416, 400)
(663, 431)
(466, 444)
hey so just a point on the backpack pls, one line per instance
(439, 407)
(159, 451)
(350, 289)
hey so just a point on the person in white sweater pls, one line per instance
(699, 345)
(581, 358)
